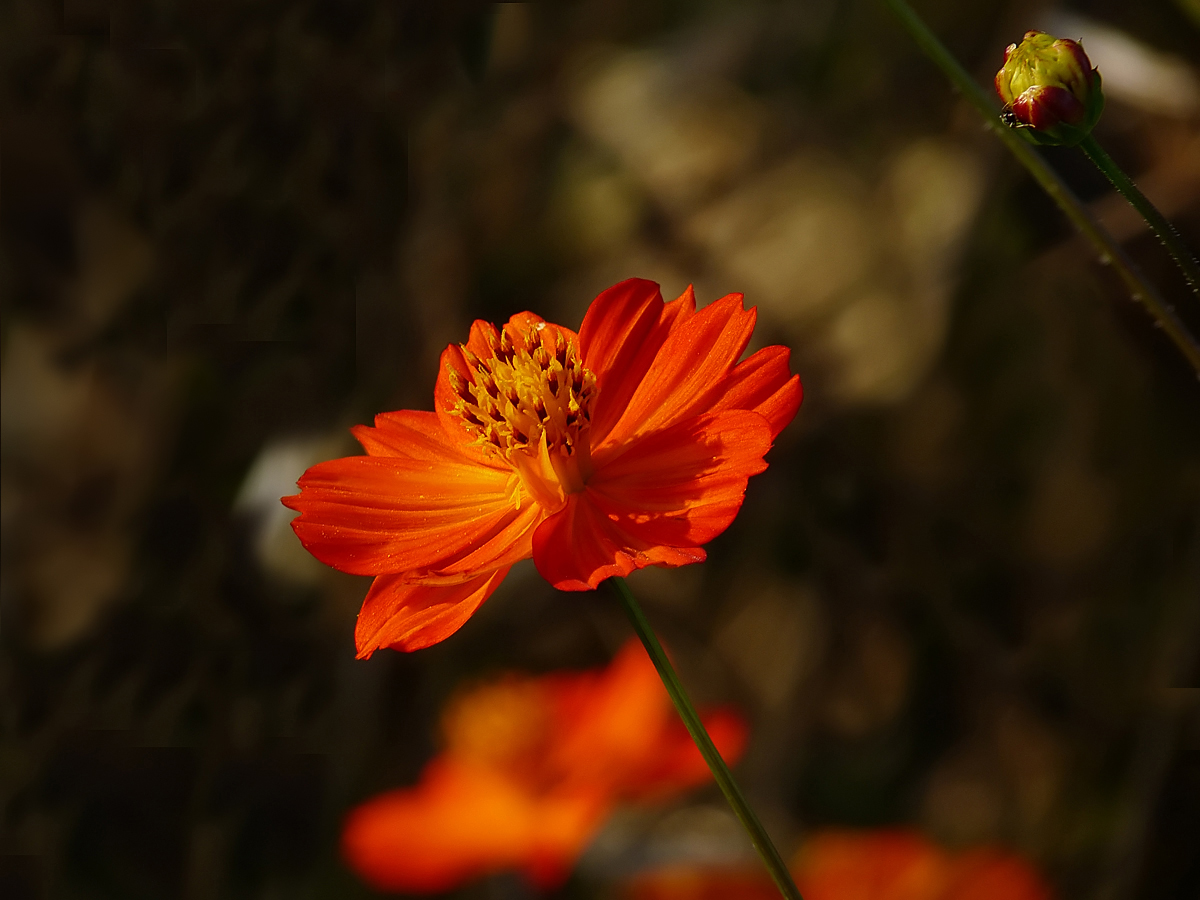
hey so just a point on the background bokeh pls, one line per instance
(965, 596)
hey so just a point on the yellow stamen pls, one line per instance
(529, 401)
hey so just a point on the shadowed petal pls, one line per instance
(372, 515)
(684, 485)
(688, 369)
(412, 616)
(656, 503)
(620, 336)
(578, 547)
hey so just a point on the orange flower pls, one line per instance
(702, 883)
(897, 864)
(990, 874)
(531, 769)
(888, 864)
(873, 865)
(626, 445)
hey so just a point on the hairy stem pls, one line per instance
(1110, 251)
(1157, 221)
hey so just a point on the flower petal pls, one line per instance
(371, 515)
(655, 504)
(677, 765)
(412, 616)
(464, 821)
(608, 724)
(686, 374)
(618, 730)
(620, 336)
(405, 432)
(445, 398)
(765, 384)
(578, 547)
(684, 485)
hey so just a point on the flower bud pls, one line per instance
(1049, 88)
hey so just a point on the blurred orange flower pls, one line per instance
(532, 767)
(702, 883)
(898, 864)
(626, 445)
(887, 864)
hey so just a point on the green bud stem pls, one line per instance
(691, 719)
(1157, 221)
(1110, 251)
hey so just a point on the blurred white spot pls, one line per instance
(272, 476)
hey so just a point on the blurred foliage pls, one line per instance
(963, 596)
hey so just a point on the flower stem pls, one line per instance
(1110, 251)
(1157, 221)
(758, 835)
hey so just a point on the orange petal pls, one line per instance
(763, 383)
(683, 486)
(677, 765)
(412, 616)
(994, 875)
(621, 334)
(462, 822)
(445, 398)
(687, 372)
(617, 730)
(668, 492)
(371, 515)
(405, 432)
(578, 547)
(609, 725)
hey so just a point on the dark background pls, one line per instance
(964, 596)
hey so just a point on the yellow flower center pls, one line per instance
(529, 401)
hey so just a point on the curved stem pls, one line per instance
(1157, 221)
(758, 835)
(1110, 251)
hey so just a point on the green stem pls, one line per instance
(1110, 251)
(1157, 221)
(758, 835)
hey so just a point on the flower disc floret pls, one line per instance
(531, 387)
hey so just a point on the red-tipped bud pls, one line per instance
(1044, 107)
(1049, 89)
